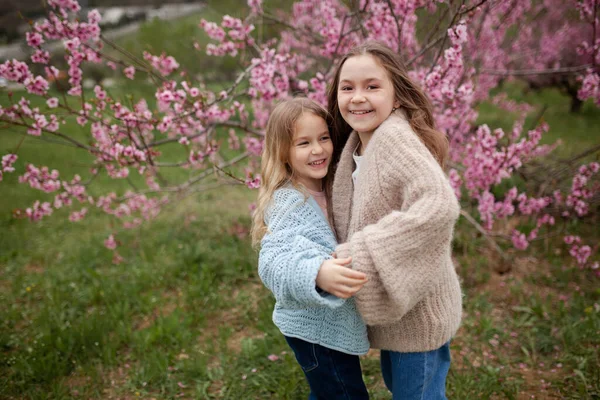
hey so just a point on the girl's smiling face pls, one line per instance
(365, 93)
(310, 153)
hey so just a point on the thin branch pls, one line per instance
(233, 124)
(398, 29)
(443, 36)
(237, 82)
(186, 185)
(41, 138)
(485, 234)
(525, 72)
(144, 66)
(538, 117)
(452, 21)
(426, 48)
(61, 135)
(272, 18)
(172, 165)
(581, 155)
(229, 174)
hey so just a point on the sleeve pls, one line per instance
(406, 253)
(289, 260)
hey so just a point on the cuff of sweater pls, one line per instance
(343, 250)
(307, 292)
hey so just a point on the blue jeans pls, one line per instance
(418, 376)
(331, 374)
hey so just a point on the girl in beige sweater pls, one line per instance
(394, 213)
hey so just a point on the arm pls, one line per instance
(290, 258)
(406, 253)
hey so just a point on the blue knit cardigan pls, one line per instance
(299, 239)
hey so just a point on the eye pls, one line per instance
(302, 144)
(325, 138)
(372, 87)
(345, 88)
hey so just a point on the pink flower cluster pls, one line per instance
(583, 188)
(252, 181)
(17, 71)
(253, 145)
(7, 164)
(41, 178)
(580, 252)
(590, 87)
(255, 6)
(232, 35)
(38, 211)
(488, 162)
(163, 63)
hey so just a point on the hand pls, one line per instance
(336, 278)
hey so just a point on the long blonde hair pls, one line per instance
(413, 100)
(275, 168)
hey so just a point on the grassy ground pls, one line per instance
(185, 315)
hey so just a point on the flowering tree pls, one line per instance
(457, 50)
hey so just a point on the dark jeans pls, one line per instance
(331, 374)
(419, 376)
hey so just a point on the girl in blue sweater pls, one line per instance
(314, 307)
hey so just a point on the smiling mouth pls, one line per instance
(361, 112)
(318, 162)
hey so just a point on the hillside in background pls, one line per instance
(14, 14)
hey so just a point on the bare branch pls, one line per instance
(184, 187)
(398, 29)
(525, 72)
(452, 22)
(317, 38)
(485, 234)
(74, 142)
(233, 124)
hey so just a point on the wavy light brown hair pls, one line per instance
(413, 100)
(275, 168)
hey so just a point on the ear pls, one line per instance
(397, 104)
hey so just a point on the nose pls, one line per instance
(317, 149)
(358, 97)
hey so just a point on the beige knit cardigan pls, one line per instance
(397, 226)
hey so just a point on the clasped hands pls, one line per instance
(337, 278)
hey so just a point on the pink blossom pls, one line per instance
(253, 182)
(129, 72)
(255, 6)
(34, 39)
(52, 102)
(519, 240)
(163, 63)
(110, 243)
(37, 85)
(40, 57)
(253, 145)
(77, 216)
(38, 211)
(7, 162)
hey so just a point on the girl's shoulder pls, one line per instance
(395, 137)
(395, 125)
(288, 193)
(284, 200)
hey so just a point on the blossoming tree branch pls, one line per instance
(458, 50)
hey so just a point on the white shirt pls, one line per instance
(357, 161)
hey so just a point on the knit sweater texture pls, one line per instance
(299, 239)
(397, 226)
